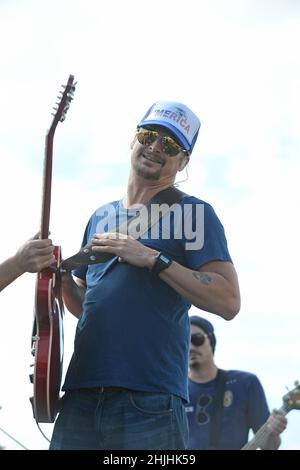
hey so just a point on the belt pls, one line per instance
(111, 389)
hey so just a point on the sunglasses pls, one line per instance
(201, 414)
(197, 339)
(169, 146)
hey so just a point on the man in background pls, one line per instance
(243, 402)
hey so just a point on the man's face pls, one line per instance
(152, 161)
(199, 355)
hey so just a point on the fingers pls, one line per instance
(277, 422)
(278, 415)
(38, 263)
(40, 244)
(37, 236)
(106, 249)
(110, 236)
(46, 262)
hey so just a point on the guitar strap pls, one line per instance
(218, 405)
(150, 214)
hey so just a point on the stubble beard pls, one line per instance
(195, 366)
(146, 174)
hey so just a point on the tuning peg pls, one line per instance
(296, 383)
(287, 388)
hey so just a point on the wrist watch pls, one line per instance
(162, 262)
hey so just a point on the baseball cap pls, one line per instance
(177, 118)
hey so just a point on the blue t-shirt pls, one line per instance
(245, 408)
(134, 328)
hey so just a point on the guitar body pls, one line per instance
(47, 344)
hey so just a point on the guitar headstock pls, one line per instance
(292, 399)
(64, 100)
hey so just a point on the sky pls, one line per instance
(236, 64)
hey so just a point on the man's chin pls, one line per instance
(194, 365)
(146, 174)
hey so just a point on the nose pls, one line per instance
(193, 350)
(156, 146)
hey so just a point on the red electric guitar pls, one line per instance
(47, 337)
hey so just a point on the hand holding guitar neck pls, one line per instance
(291, 401)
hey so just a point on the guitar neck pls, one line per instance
(260, 437)
(46, 196)
(59, 115)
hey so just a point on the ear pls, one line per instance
(183, 163)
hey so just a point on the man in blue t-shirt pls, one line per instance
(126, 385)
(244, 403)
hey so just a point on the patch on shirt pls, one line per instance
(228, 398)
(189, 409)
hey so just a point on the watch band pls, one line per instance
(162, 262)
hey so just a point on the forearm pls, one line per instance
(213, 288)
(72, 294)
(208, 291)
(9, 271)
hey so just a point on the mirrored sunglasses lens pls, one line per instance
(170, 147)
(146, 137)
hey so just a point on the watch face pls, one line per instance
(164, 259)
(162, 262)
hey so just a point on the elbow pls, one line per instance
(232, 308)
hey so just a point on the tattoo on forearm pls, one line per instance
(202, 277)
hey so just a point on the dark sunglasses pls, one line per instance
(201, 414)
(148, 137)
(197, 339)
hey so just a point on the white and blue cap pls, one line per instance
(177, 118)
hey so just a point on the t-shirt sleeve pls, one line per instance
(211, 244)
(258, 410)
(81, 271)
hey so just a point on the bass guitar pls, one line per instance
(47, 337)
(291, 401)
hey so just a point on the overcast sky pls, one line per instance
(237, 65)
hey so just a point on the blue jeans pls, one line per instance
(92, 419)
